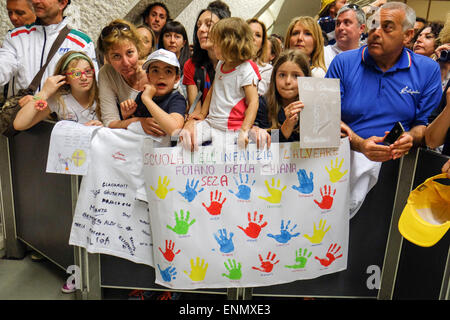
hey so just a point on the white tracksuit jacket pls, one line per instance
(25, 50)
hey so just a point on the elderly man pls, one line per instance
(25, 49)
(350, 25)
(383, 83)
(20, 12)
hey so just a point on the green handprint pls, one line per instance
(301, 258)
(335, 172)
(198, 271)
(319, 233)
(161, 191)
(234, 272)
(181, 224)
(275, 193)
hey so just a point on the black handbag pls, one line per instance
(11, 105)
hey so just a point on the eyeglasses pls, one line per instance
(76, 74)
(117, 26)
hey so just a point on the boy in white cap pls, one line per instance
(159, 100)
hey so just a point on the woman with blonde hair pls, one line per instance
(305, 35)
(262, 48)
(122, 77)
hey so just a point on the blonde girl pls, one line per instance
(305, 35)
(232, 103)
(71, 93)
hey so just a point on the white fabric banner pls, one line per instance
(247, 218)
(108, 217)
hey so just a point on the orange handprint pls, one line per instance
(215, 208)
(267, 266)
(327, 198)
(254, 228)
(331, 255)
(169, 254)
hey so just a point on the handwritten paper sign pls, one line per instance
(108, 217)
(69, 150)
(221, 223)
(321, 117)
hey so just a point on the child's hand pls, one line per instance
(195, 116)
(25, 99)
(127, 108)
(51, 85)
(94, 123)
(242, 139)
(292, 110)
(149, 91)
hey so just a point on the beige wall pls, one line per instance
(438, 9)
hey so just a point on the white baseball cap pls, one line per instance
(161, 55)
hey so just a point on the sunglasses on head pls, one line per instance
(117, 26)
(352, 6)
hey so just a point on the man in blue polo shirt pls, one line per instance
(384, 82)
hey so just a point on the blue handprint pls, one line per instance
(285, 234)
(168, 274)
(243, 188)
(190, 193)
(306, 184)
(226, 244)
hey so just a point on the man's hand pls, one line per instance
(402, 145)
(371, 148)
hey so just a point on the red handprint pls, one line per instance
(267, 266)
(253, 229)
(169, 254)
(327, 198)
(215, 207)
(331, 255)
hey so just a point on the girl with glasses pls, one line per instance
(71, 93)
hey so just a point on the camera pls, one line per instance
(445, 56)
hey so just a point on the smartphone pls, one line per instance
(395, 133)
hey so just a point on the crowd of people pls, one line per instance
(235, 77)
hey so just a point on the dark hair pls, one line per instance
(436, 28)
(155, 4)
(419, 19)
(177, 27)
(200, 56)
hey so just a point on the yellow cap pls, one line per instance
(324, 4)
(426, 216)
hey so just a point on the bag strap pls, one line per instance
(55, 46)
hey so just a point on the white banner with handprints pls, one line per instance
(247, 218)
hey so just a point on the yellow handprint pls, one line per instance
(198, 271)
(335, 172)
(318, 234)
(275, 193)
(161, 191)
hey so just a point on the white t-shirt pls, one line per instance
(330, 52)
(73, 111)
(266, 73)
(227, 108)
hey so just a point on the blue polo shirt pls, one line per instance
(373, 100)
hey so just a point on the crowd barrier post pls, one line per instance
(394, 242)
(14, 249)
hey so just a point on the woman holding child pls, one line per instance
(122, 77)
